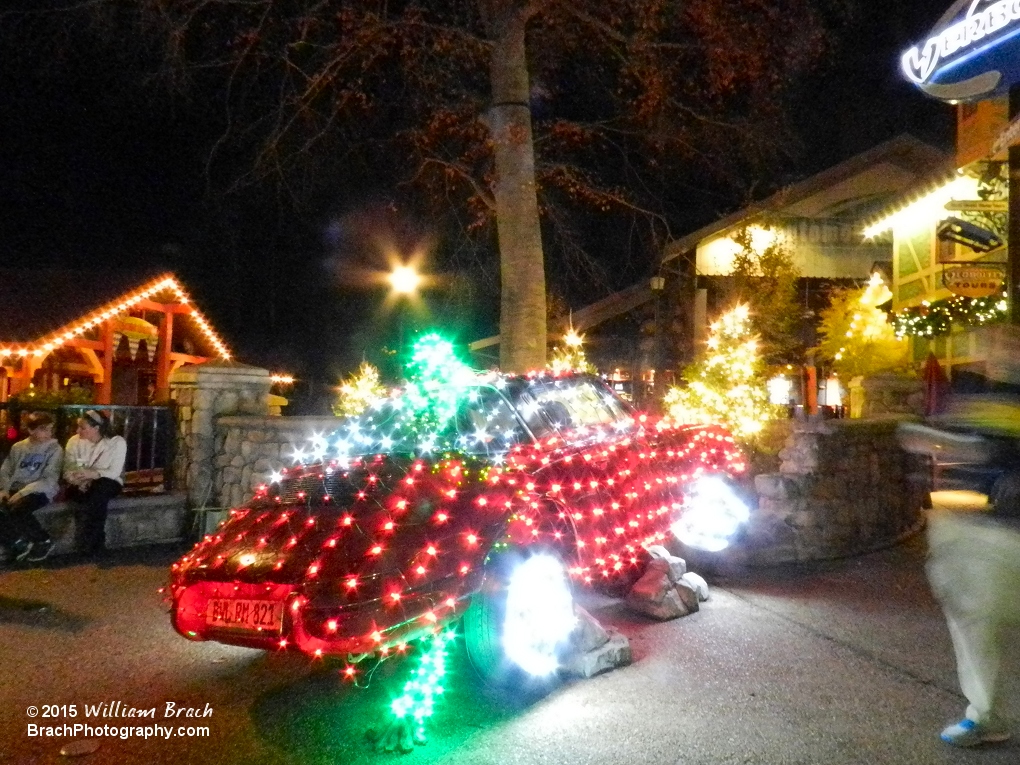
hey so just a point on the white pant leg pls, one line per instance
(974, 569)
(976, 644)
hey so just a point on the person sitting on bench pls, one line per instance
(94, 471)
(29, 479)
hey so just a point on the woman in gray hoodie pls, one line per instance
(29, 479)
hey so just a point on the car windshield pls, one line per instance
(551, 406)
(473, 419)
(483, 419)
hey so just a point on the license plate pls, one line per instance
(258, 615)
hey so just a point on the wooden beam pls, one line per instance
(163, 345)
(82, 343)
(95, 365)
(486, 342)
(591, 315)
(184, 358)
(611, 306)
(106, 387)
(152, 305)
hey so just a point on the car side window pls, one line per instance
(573, 405)
(485, 422)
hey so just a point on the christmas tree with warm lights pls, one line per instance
(726, 384)
(359, 391)
(570, 356)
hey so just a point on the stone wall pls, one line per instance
(844, 487)
(202, 394)
(886, 394)
(248, 449)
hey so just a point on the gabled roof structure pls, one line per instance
(43, 312)
(848, 194)
(853, 190)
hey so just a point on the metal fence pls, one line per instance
(148, 431)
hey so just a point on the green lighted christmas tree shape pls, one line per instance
(727, 383)
(436, 382)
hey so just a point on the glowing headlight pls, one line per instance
(539, 614)
(712, 517)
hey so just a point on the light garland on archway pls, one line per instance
(939, 317)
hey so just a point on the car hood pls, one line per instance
(374, 530)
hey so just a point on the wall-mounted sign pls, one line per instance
(968, 234)
(978, 205)
(974, 279)
(973, 51)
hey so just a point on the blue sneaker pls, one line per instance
(970, 733)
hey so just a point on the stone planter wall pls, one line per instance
(203, 393)
(248, 449)
(883, 395)
(844, 487)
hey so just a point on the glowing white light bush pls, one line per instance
(539, 614)
(712, 516)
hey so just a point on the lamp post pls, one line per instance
(657, 284)
(404, 282)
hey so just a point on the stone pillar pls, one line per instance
(203, 393)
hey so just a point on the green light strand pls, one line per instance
(418, 698)
(939, 317)
(435, 377)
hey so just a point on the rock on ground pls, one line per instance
(615, 652)
(655, 595)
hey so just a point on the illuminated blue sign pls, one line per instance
(973, 52)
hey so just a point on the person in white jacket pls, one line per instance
(29, 479)
(94, 472)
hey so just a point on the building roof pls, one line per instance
(855, 189)
(36, 303)
(39, 304)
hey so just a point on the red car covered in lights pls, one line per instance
(399, 520)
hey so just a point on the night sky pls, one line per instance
(99, 173)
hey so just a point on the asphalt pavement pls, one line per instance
(840, 662)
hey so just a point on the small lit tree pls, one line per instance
(359, 391)
(726, 384)
(570, 356)
(857, 337)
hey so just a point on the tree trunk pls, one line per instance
(522, 318)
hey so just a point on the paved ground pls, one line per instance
(845, 662)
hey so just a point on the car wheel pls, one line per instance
(518, 624)
(1005, 494)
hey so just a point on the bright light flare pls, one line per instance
(780, 390)
(539, 614)
(712, 517)
(405, 280)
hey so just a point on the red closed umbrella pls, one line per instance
(936, 386)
